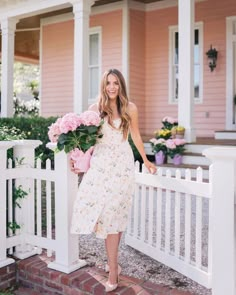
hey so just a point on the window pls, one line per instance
(174, 63)
(94, 63)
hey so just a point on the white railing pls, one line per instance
(189, 224)
(185, 223)
(36, 214)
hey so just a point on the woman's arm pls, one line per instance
(135, 134)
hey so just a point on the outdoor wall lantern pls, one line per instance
(212, 57)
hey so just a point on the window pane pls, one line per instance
(93, 91)
(196, 80)
(176, 82)
(196, 37)
(93, 49)
(176, 57)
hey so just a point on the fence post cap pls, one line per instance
(5, 144)
(27, 142)
(227, 153)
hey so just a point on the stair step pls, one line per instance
(225, 134)
(26, 291)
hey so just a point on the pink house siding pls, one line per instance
(57, 69)
(137, 63)
(157, 67)
(57, 57)
(111, 24)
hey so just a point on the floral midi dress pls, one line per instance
(105, 194)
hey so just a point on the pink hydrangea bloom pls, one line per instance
(170, 120)
(90, 118)
(170, 144)
(54, 131)
(179, 141)
(69, 122)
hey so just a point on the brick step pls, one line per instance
(26, 291)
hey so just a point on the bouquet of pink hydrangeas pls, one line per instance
(77, 135)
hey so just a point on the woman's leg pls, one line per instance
(120, 234)
(112, 245)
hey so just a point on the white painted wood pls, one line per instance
(223, 227)
(187, 240)
(227, 135)
(81, 10)
(39, 204)
(159, 215)
(177, 218)
(4, 146)
(198, 233)
(125, 42)
(167, 216)
(150, 215)
(8, 27)
(186, 78)
(136, 211)
(66, 186)
(143, 213)
(49, 207)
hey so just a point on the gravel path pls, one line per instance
(137, 265)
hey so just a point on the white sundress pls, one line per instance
(105, 194)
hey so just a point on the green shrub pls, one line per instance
(32, 128)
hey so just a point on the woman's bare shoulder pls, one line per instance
(132, 108)
(94, 107)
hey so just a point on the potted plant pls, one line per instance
(169, 122)
(178, 132)
(163, 133)
(159, 149)
(175, 149)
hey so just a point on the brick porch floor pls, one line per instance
(35, 278)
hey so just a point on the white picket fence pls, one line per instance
(185, 223)
(32, 237)
(170, 222)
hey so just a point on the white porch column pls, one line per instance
(186, 70)
(81, 10)
(8, 27)
(125, 42)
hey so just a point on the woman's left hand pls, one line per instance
(151, 167)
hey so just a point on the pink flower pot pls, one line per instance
(160, 157)
(82, 160)
(177, 160)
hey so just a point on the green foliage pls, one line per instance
(18, 194)
(83, 138)
(137, 156)
(32, 128)
(11, 133)
(13, 226)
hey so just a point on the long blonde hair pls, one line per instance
(122, 101)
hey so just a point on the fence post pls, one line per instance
(67, 245)
(4, 146)
(24, 156)
(222, 218)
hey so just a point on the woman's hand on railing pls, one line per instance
(151, 167)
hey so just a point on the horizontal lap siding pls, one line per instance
(157, 64)
(213, 14)
(57, 69)
(137, 63)
(111, 24)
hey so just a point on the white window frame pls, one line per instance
(172, 31)
(96, 30)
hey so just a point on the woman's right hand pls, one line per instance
(72, 167)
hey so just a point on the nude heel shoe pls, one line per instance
(111, 287)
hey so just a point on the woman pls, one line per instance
(105, 193)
